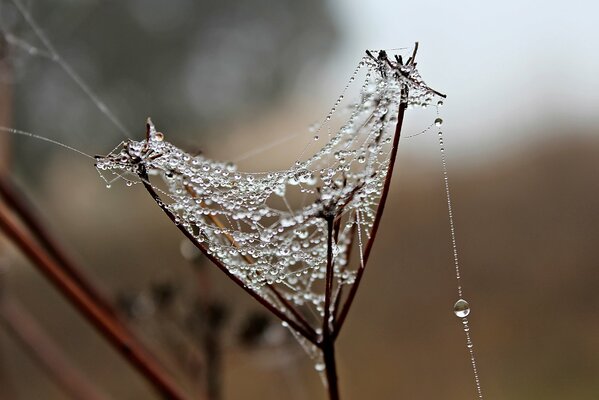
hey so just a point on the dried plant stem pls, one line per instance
(19, 203)
(25, 330)
(377, 219)
(328, 336)
(248, 259)
(110, 327)
(298, 327)
(330, 364)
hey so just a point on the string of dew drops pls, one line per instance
(461, 307)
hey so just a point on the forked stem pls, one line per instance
(110, 327)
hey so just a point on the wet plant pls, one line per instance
(297, 240)
(295, 261)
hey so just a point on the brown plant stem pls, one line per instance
(18, 202)
(328, 291)
(105, 323)
(250, 260)
(26, 332)
(330, 365)
(298, 327)
(377, 219)
(328, 338)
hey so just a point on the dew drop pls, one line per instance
(319, 366)
(440, 103)
(108, 185)
(461, 308)
(230, 167)
(316, 137)
(159, 136)
(438, 122)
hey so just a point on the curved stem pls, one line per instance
(377, 219)
(105, 323)
(309, 335)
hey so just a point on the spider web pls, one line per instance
(247, 221)
(270, 228)
(287, 236)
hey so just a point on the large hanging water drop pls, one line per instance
(461, 308)
(439, 121)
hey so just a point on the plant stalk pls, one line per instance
(330, 364)
(25, 330)
(104, 322)
(377, 219)
(19, 204)
(298, 327)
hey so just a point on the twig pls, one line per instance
(104, 322)
(312, 337)
(6, 101)
(19, 203)
(377, 219)
(249, 259)
(24, 329)
(328, 336)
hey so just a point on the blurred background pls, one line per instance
(225, 77)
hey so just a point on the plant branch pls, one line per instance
(25, 330)
(379, 213)
(312, 337)
(328, 337)
(105, 323)
(328, 292)
(19, 203)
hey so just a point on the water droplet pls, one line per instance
(361, 159)
(461, 308)
(319, 366)
(440, 103)
(159, 136)
(230, 167)
(108, 185)
(316, 137)
(438, 122)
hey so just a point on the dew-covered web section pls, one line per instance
(246, 221)
(298, 238)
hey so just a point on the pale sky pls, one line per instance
(508, 67)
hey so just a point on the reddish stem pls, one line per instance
(19, 203)
(377, 219)
(104, 322)
(25, 330)
(309, 335)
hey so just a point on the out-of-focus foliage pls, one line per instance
(191, 65)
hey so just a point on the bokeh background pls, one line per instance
(223, 77)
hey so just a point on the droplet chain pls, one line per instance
(461, 307)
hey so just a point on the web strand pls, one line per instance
(45, 139)
(461, 307)
(54, 56)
